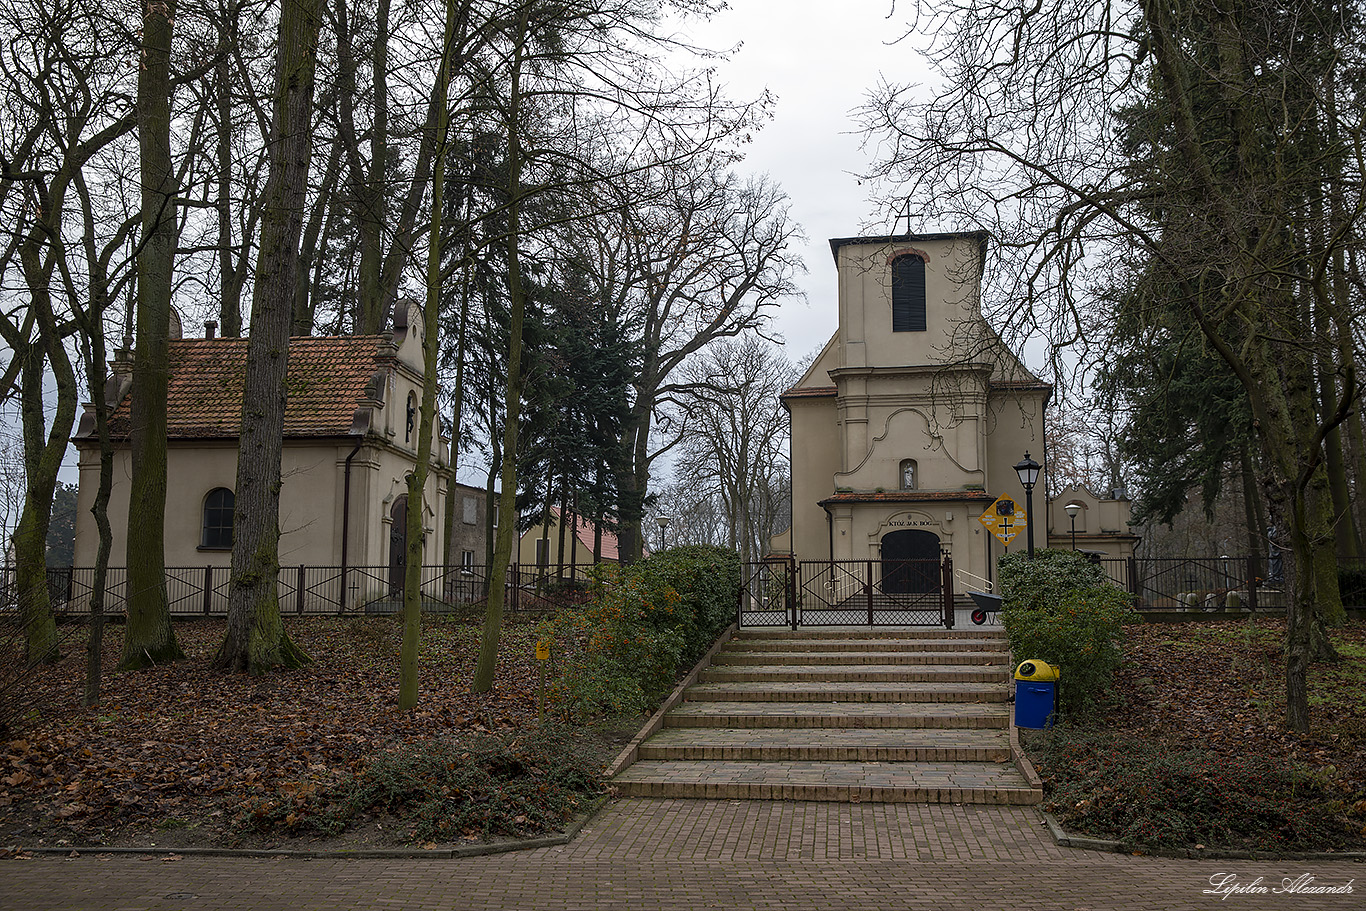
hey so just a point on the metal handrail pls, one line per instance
(985, 584)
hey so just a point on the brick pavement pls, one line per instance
(679, 854)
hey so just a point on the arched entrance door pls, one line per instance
(398, 545)
(910, 561)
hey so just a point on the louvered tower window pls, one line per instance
(908, 294)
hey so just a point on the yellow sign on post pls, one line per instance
(542, 651)
(1005, 518)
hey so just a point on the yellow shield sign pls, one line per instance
(1004, 518)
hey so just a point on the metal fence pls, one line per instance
(1199, 583)
(778, 592)
(847, 593)
(317, 590)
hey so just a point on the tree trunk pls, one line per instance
(95, 370)
(1256, 526)
(43, 459)
(633, 483)
(417, 479)
(457, 409)
(147, 637)
(512, 407)
(256, 640)
(305, 304)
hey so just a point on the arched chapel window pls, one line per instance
(908, 294)
(908, 474)
(217, 529)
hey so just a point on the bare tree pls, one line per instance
(457, 21)
(65, 104)
(695, 254)
(148, 638)
(735, 437)
(582, 101)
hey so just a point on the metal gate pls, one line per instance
(847, 593)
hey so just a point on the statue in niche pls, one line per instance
(908, 474)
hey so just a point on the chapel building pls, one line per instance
(909, 423)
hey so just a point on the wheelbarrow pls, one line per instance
(986, 603)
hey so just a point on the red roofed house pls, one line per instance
(350, 439)
(907, 426)
(540, 544)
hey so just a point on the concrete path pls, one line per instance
(644, 854)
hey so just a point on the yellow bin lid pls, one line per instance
(1034, 669)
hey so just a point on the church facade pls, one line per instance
(909, 423)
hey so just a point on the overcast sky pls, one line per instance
(819, 59)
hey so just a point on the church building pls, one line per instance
(907, 427)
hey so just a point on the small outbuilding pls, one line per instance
(351, 437)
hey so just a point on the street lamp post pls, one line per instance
(1028, 470)
(663, 523)
(1072, 510)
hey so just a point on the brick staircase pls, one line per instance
(896, 715)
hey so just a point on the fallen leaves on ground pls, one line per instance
(182, 745)
(1221, 684)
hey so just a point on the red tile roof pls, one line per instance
(911, 496)
(327, 379)
(583, 529)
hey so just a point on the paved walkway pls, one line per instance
(643, 854)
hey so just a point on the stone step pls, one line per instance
(892, 782)
(732, 659)
(819, 691)
(904, 646)
(846, 744)
(898, 715)
(831, 673)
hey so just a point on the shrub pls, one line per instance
(1046, 578)
(619, 654)
(707, 579)
(443, 789)
(622, 652)
(1059, 608)
(1126, 788)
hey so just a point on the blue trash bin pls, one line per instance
(1036, 694)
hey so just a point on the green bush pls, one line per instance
(1123, 787)
(621, 653)
(707, 579)
(1059, 608)
(1046, 578)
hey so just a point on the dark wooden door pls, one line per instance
(398, 545)
(910, 562)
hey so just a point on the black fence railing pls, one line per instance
(1199, 583)
(883, 592)
(315, 590)
(777, 592)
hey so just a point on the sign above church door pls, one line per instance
(1004, 518)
